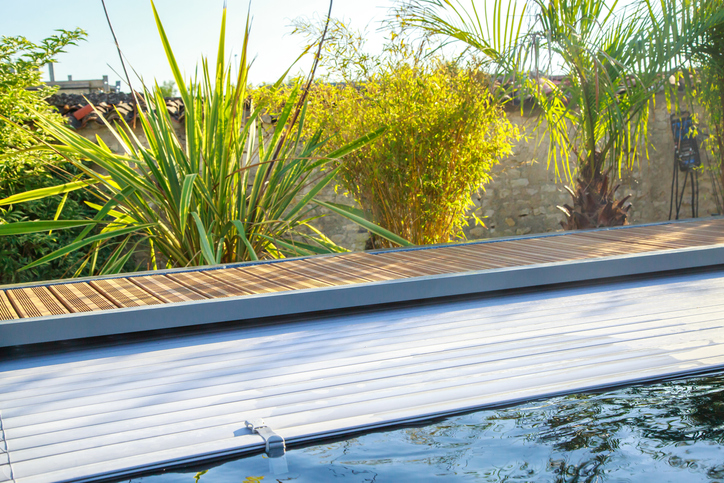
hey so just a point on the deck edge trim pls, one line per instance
(197, 313)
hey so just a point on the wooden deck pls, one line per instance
(171, 287)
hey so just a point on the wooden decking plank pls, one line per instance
(166, 289)
(519, 255)
(7, 312)
(124, 293)
(381, 261)
(206, 285)
(601, 248)
(288, 277)
(707, 233)
(559, 247)
(490, 255)
(35, 302)
(550, 249)
(329, 277)
(81, 297)
(423, 261)
(658, 241)
(137, 291)
(345, 265)
(245, 281)
(327, 271)
(497, 258)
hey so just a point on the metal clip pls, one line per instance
(275, 446)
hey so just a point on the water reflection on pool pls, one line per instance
(671, 431)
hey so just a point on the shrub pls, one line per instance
(23, 167)
(444, 132)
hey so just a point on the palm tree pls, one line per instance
(707, 58)
(610, 59)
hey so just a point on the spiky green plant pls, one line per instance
(229, 192)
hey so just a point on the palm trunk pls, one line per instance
(594, 203)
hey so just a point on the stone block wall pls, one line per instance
(523, 195)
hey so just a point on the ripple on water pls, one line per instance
(672, 431)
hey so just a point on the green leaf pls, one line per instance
(87, 241)
(356, 144)
(106, 209)
(357, 216)
(185, 201)
(206, 250)
(59, 210)
(312, 193)
(294, 249)
(242, 234)
(46, 192)
(25, 227)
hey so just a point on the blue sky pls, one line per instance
(192, 27)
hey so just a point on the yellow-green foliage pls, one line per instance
(444, 132)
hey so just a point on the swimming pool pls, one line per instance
(670, 431)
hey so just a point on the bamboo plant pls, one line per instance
(228, 191)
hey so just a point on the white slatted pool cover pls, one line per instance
(116, 410)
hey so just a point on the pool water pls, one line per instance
(671, 431)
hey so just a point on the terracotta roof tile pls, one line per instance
(113, 106)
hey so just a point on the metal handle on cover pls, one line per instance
(275, 446)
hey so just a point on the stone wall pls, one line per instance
(523, 196)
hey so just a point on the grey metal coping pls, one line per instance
(167, 316)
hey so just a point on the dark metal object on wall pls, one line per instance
(687, 160)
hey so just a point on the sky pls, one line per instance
(192, 27)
